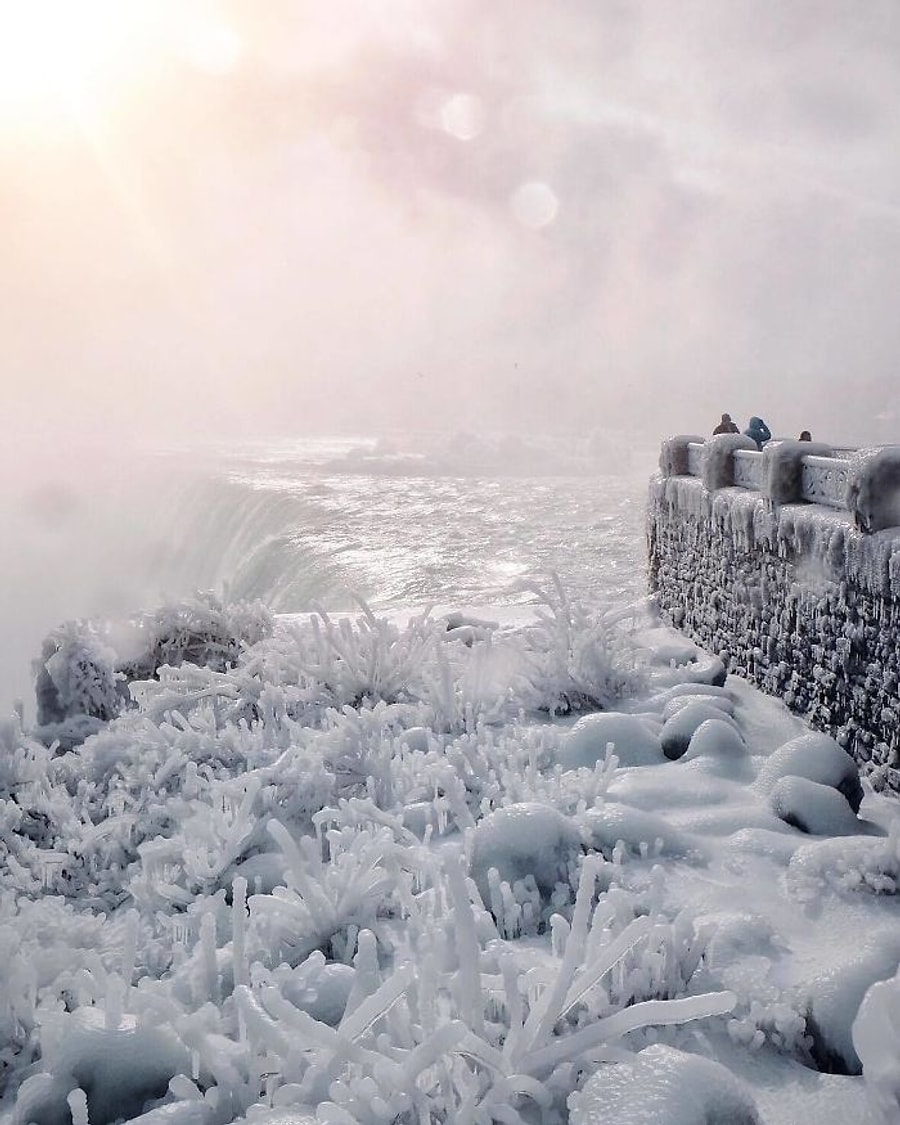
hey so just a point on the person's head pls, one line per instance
(756, 423)
(726, 418)
(805, 436)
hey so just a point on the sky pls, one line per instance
(357, 215)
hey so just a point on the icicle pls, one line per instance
(114, 1002)
(468, 949)
(78, 1106)
(210, 973)
(238, 928)
(129, 947)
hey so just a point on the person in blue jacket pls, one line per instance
(758, 431)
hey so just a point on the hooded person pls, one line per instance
(758, 431)
(726, 426)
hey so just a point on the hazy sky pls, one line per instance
(277, 215)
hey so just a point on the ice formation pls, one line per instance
(791, 594)
(356, 876)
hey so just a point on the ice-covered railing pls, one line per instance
(863, 482)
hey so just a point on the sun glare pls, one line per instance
(61, 56)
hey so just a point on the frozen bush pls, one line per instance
(199, 630)
(75, 676)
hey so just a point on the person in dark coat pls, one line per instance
(726, 426)
(758, 431)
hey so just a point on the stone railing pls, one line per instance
(824, 479)
(786, 564)
(865, 482)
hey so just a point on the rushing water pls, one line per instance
(314, 522)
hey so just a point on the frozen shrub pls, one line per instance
(200, 630)
(575, 660)
(76, 676)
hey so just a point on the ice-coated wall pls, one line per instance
(796, 596)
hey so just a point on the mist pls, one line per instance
(238, 221)
(360, 217)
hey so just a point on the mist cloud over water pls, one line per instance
(419, 213)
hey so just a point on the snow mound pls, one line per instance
(818, 758)
(866, 865)
(876, 1037)
(812, 807)
(715, 699)
(521, 840)
(835, 998)
(663, 1085)
(678, 730)
(641, 833)
(718, 744)
(633, 742)
(119, 1067)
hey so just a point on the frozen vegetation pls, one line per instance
(352, 870)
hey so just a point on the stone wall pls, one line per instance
(792, 596)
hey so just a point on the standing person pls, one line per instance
(758, 431)
(726, 426)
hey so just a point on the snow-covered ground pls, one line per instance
(525, 863)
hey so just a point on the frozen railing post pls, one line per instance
(873, 488)
(717, 460)
(783, 462)
(674, 455)
(785, 472)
